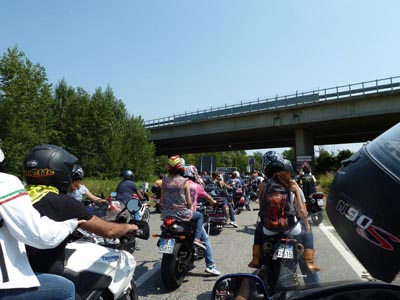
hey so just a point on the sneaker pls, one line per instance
(198, 243)
(234, 224)
(213, 271)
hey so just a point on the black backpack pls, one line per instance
(308, 184)
(277, 210)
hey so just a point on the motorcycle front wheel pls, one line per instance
(146, 215)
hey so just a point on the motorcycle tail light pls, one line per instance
(169, 221)
(319, 196)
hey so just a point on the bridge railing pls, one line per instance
(298, 99)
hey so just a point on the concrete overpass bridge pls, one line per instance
(343, 114)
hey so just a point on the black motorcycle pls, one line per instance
(281, 254)
(213, 215)
(315, 204)
(176, 244)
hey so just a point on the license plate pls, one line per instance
(284, 251)
(167, 246)
(320, 202)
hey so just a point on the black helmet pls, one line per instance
(128, 175)
(272, 162)
(77, 173)
(363, 204)
(49, 165)
(288, 166)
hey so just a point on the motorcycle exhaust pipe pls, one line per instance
(268, 247)
(299, 250)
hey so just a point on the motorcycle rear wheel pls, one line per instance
(173, 269)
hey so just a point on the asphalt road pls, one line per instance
(232, 251)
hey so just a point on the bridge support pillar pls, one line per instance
(304, 146)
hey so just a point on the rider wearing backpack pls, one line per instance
(307, 182)
(281, 203)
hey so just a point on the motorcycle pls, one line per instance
(281, 254)
(141, 210)
(315, 204)
(103, 268)
(214, 215)
(156, 190)
(280, 279)
(178, 253)
(238, 199)
(139, 207)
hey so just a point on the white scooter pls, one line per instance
(103, 269)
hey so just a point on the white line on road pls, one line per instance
(148, 274)
(351, 260)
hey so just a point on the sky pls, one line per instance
(168, 57)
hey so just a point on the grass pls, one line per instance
(105, 186)
(324, 181)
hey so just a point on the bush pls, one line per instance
(325, 181)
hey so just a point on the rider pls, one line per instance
(235, 182)
(275, 168)
(20, 223)
(126, 188)
(78, 189)
(175, 197)
(197, 191)
(307, 182)
(229, 211)
(48, 173)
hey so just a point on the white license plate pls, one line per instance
(284, 251)
(167, 246)
(320, 202)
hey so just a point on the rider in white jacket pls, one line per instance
(21, 224)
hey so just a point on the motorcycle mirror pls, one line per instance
(133, 205)
(232, 286)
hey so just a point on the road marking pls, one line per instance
(148, 274)
(347, 255)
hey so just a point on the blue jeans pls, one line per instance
(208, 252)
(231, 211)
(52, 287)
(247, 203)
(307, 239)
(197, 223)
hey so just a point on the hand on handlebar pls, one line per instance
(132, 230)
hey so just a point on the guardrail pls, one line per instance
(299, 99)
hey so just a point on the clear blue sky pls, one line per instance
(165, 57)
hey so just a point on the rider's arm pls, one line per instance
(108, 229)
(187, 194)
(300, 204)
(24, 222)
(201, 193)
(139, 194)
(260, 190)
(92, 197)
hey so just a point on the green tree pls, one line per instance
(26, 107)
